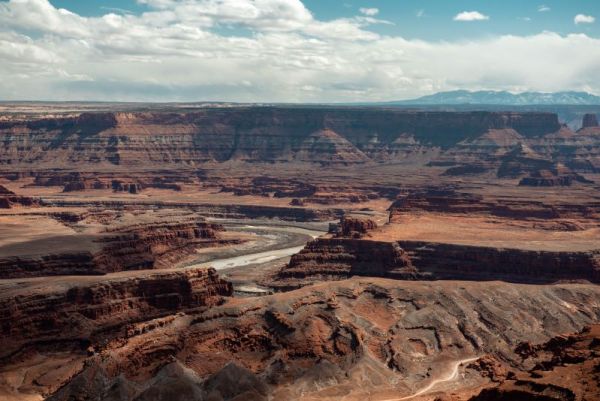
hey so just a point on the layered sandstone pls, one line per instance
(460, 262)
(9, 199)
(27, 319)
(355, 227)
(318, 135)
(218, 210)
(144, 246)
(340, 258)
(335, 259)
(449, 200)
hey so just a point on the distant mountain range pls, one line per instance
(462, 97)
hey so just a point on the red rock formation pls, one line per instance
(327, 147)
(9, 199)
(155, 245)
(230, 211)
(334, 259)
(146, 246)
(448, 200)
(538, 171)
(460, 262)
(566, 368)
(27, 319)
(245, 134)
(303, 344)
(354, 227)
(339, 258)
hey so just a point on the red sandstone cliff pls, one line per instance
(318, 135)
(88, 309)
(144, 246)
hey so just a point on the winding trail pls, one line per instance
(453, 375)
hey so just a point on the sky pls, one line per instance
(293, 50)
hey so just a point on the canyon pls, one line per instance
(237, 252)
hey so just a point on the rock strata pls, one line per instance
(144, 246)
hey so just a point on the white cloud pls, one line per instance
(584, 19)
(369, 11)
(281, 54)
(526, 19)
(467, 16)
(544, 8)
(420, 13)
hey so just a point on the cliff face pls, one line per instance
(156, 245)
(335, 259)
(9, 199)
(447, 200)
(144, 246)
(339, 258)
(316, 135)
(88, 309)
(460, 262)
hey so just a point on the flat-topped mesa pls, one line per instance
(354, 227)
(340, 258)
(248, 134)
(590, 121)
(443, 261)
(449, 200)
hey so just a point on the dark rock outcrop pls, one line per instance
(460, 262)
(304, 343)
(590, 121)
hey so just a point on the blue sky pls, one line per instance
(423, 19)
(294, 50)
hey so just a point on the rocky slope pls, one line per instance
(353, 339)
(38, 318)
(566, 368)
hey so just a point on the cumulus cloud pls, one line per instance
(369, 11)
(466, 16)
(278, 52)
(584, 19)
